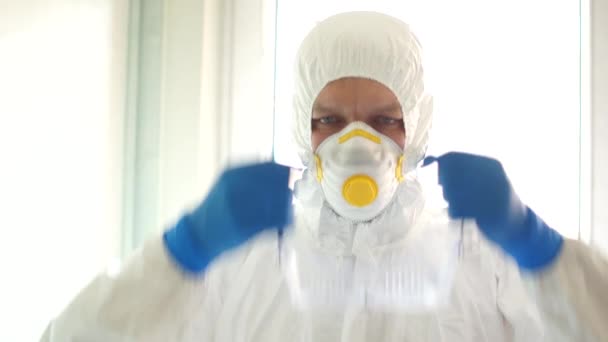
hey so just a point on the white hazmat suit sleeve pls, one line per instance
(150, 299)
(572, 294)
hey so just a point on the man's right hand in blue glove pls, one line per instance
(243, 202)
(477, 187)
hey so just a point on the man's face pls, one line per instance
(356, 99)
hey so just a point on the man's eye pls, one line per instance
(384, 120)
(328, 120)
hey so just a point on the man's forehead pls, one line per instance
(355, 94)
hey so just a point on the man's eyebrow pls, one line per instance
(391, 107)
(388, 108)
(324, 109)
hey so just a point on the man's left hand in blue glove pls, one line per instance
(477, 187)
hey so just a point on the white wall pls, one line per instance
(164, 117)
(142, 123)
(61, 101)
(599, 122)
(213, 103)
(180, 172)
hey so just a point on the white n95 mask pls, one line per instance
(359, 170)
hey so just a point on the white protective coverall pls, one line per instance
(242, 295)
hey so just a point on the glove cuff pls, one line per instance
(538, 245)
(182, 244)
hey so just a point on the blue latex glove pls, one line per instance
(477, 187)
(243, 202)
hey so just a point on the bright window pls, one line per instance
(505, 78)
